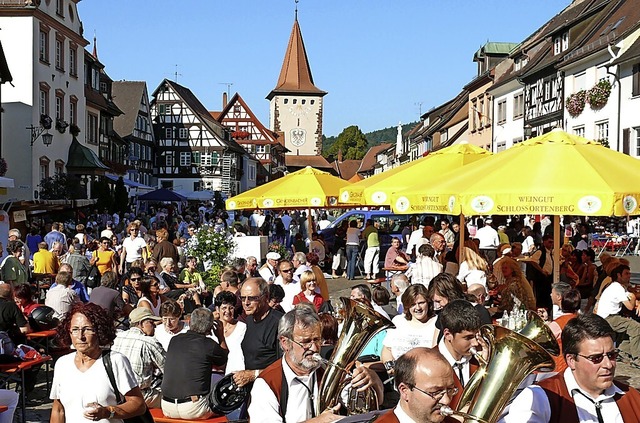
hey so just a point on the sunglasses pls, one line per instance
(134, 279)
(289, 270)
(252, 298)
(597, 358)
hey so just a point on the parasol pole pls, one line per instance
(461, 239)
(556, 248)
(310, 220)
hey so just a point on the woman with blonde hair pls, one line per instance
(473, 268)
(516, 286)
(308, 294)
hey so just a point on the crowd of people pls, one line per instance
(142, 330)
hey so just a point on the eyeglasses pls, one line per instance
(134, 279)
(133, 230)
(289, 270)
(308, 344)
(252, 298)
(155, 284)
(597, 358)
(438, 395)
(170, 319)
(79, 331)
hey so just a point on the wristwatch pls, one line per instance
(388, 365)
(112, 412)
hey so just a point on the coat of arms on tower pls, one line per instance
(298, 136)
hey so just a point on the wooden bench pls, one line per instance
(158, 417)
(15, 372)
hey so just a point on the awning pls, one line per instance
(128, 182)
(82, 158)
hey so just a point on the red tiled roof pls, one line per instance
(318, 162)
(369, 159)
(347, 168)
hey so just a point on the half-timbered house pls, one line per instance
(265, 145)
(194, 152)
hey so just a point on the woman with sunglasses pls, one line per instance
(131, 292)
(151, 299)
(308, 294)
(104, 257)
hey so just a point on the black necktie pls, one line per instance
(459, 367)
(597, 404)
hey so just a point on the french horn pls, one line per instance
(361, 324)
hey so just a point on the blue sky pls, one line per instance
(377, 59)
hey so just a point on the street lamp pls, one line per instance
(527, 131)
(36, 131)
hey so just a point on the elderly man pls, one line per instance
(399, 284)
(290, 287)
(79, 263)
(299, 261)
(260, 343)
(439, 244)
(15, 235)
(362, 292)
(251, 270)
(585, 391)
(557, 291)
(61, 297)
(144, 352)
(425, 383)
(287, 390)
(186, 385)
(77, 286)
(268, 271)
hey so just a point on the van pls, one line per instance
(390, 225)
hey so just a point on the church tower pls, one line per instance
(296, 103)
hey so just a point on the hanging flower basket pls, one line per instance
(599, 94)
(3, 166)
(240, 135)
(576, 103)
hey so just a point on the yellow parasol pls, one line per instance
(377, 189)
(553, 174)
(305, 188)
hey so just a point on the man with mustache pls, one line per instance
(585, 391)
(288, 390)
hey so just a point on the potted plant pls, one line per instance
(599, 94)
(576, 102)
(74, 130)
(61, 125)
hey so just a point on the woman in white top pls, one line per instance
(473, 269)
(528, 245)
(234, 330)
(412, 327)
(150, 289)
(170, 311)
(425, 267)
(81, 236)
(353, 245)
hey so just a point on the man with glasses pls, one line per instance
(287, 390)
(285, 280)
(134, 248)
(585, 391)
(260, 343)
(424, 380)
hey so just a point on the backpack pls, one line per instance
(93, 277)
(7, 346)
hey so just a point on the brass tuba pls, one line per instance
(512, 357)
(361, 324)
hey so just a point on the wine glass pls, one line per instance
(89, 402)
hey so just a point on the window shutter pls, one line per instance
(626, 133)
(635, 90)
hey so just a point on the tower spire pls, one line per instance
(296, 14)
(95, 46)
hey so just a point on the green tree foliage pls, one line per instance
(351, 142)
(373, 138)
(121, 197)
(61, 186)
(218, 202)
(102, 193)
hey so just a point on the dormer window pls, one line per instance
(561, 43)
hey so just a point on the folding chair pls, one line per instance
(360, 258)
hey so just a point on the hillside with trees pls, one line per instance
(355, 144)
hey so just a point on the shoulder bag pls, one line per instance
(143, 418)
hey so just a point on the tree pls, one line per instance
(100, 191)
(61, 186)
(351, 142)
(121, 197)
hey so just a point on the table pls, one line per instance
(158, 417)
(41, 339)
(14, 372)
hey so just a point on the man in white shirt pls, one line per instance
(489, 240)
(585, 391)
(363, 292)
(610, 304)
(558, 289)
(425, 383)
(268, 270)
(300, 337)
(285, 280)
(460, 323)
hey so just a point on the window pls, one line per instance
(92, 128)
(501, 146)
(286, 101)
(167, 184)
(95, 79)
(44, 102)
(579, 130)
(517, 140)
(565, 41)
(185, 158)
(579, 82)
(474, 115)
(73, 110)
(59, 107)
(602, 131)
(637, 131)
(518, 105)
(295, 101)
(197, 186)
(601, 73)
(261, 148)
(60, 8)
(168, 133)
(73, 61)
(215, 158)
(313, 102)
(635, 87)
(205, 159)
(557, 46)
(252, 172)
(481, 113)
(44, 167)
(59, 164)
(168, 159)
(502, 112)
(59, 54)
(183, 133)
(44, 46)
(195, 157)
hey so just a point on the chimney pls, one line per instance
(340, 155)
(224, 99)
